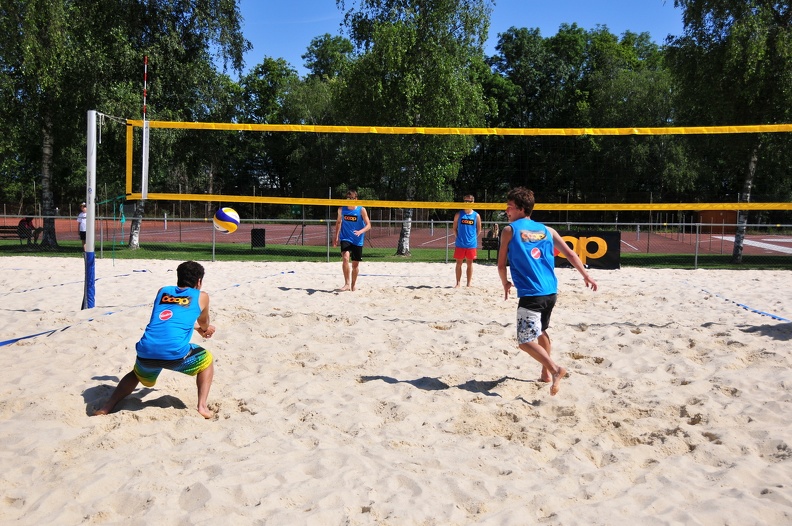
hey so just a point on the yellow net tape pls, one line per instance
(222, 126)
(615, 207)
(405, 130)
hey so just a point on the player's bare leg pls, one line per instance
(124, 388)
(458, 272)
(204, 381)
(544, 341)
(538, 353)
(355, 272)
(469, 272)
(347, 273)
(557, 380)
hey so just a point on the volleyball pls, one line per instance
(226, 220)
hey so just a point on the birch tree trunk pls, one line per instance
(134, 227)
(403, 249)
(742, 215)
(48, 238)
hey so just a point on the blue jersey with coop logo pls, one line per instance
(532, 259)
(351, 220)
(467, 230)
(168, 333)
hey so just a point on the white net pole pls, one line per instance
(145, 165)
(90, 201)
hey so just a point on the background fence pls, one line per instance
(651, 244)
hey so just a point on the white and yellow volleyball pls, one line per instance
(226, 220)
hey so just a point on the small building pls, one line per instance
(718, 221)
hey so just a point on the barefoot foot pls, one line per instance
(557, 381)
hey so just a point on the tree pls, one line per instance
(328, 57)
(64, 57)
(630, 85)
(37, 56)
(538, 83)
(419, 64)
(733, 65)
(264, 156)
(579, 78)
(314, 165)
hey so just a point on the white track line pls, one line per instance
(759, 244)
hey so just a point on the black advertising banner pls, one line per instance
(596, 249)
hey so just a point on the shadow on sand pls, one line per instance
(435, 384)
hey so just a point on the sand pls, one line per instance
(405, 402)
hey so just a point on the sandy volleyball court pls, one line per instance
(405, 402)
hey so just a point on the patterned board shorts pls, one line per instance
(533, 317)
(197, 360)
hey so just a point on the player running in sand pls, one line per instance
(528, 247)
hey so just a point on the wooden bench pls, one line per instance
(10, 232)
(490, 243)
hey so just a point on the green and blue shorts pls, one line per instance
(198, 359)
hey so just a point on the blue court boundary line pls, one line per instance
(69, 283)
(746, 307)
(53, 331)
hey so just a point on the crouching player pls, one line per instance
(178, 310)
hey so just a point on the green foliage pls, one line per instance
(399, 63)
(417, 65)
(62, 58)
(328, 57)
(733, 65)
(580, 78)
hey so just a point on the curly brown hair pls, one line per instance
(522, 198)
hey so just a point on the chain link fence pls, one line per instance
(650, 244)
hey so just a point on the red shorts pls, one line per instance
(465, 253)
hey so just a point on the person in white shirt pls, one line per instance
(81, 220)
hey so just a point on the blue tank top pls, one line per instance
(532, 259)
(467, 233)
(168, 333)
(351, 221)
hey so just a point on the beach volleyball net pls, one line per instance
(572, 168)
(582, 177)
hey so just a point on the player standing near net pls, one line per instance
(467, 229)
(350, 229)
(166, 341)
(528, 247)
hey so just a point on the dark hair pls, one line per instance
(522, 199)
(188, 274)
(352, 192)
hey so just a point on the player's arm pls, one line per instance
(339, 218)
(456, 223)
(572, 257)
(478, 225)
(202, 325)
(503, 258)
(366, 222)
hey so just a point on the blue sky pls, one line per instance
(285, 28)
